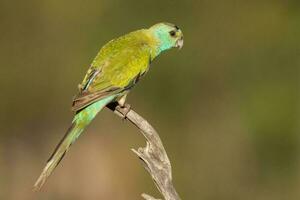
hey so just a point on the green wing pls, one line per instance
(116, 68)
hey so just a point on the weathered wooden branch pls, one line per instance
(154, 156)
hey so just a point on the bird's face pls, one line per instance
(168, 35)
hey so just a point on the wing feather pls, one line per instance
(113, 71)
(86, 99)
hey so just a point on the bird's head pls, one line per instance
(167, 35)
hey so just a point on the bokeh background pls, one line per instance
(226, 105)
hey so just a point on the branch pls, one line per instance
(154, 156)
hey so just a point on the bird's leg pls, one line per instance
(122, 100)
(125, 107)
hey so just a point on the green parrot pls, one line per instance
(116, 69)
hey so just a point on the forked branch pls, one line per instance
(154, 156)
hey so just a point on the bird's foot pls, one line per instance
(125, 109)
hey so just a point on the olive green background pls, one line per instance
(226, 105)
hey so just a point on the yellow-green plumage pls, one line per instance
(117, 64)
(115, 70)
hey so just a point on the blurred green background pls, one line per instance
(226, 105)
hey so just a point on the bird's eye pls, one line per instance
(172, 33)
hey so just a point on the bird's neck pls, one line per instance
(156, 47)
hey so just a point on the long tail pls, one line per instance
(80, 121)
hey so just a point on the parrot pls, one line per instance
(116, 69)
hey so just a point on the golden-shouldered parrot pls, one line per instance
(118, 66)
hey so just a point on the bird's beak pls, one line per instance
(179, 43)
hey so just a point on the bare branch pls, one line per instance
(154, 156)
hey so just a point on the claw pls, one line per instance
(125, 109)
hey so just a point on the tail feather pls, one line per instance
(58, 154)
(81, 120)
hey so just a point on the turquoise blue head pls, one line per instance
(168, 36)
